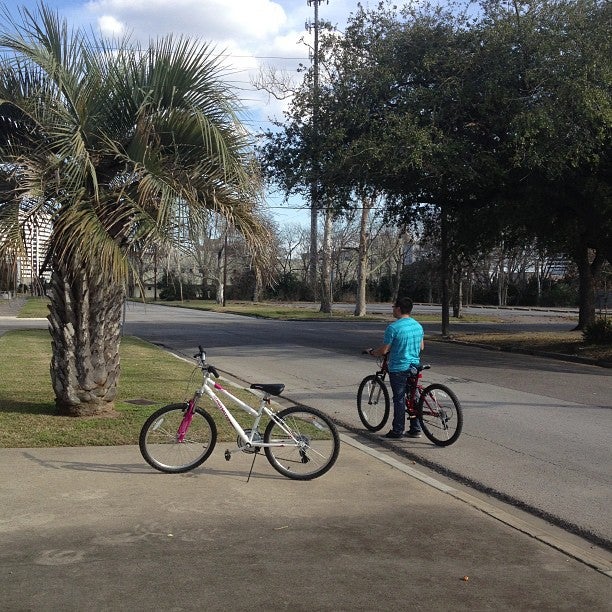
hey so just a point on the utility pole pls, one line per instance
(314, 186)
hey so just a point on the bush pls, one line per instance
(289, 287)
(599, 332)
(188, 291)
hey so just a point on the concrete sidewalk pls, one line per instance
(11, 307)
(97, 529)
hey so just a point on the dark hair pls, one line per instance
(404, 304)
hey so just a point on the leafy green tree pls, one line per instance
(354, 133)
(117, 145)
(479, 127)
(555, 72)
(430, 59)
(513, 111)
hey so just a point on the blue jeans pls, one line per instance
(398, 381)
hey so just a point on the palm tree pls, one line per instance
(113, 143)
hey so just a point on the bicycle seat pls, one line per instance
(417, 369)
(272, 388)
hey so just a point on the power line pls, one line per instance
(275, 57)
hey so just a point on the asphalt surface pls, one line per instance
(531, 436)
(97, 529)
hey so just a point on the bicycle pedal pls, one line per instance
(228, 455)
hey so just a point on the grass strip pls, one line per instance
(150, 378)
(34, 308)
(561, 343)
(38, 308)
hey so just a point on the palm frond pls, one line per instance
(118, 138)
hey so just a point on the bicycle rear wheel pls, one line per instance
(373, 402)
(159, 444)
(440, 414)
(308, 443)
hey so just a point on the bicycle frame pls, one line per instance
(207, 389)
(300, 442)
(413, 385)
(434, 405)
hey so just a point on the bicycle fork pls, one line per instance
(186, 422)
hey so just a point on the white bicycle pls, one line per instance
(299, 442)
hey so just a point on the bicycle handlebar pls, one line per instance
(201, 355)
(420, 368)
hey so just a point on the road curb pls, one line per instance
(594, 560)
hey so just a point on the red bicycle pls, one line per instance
(435, 406)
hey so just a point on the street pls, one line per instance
(536, 431)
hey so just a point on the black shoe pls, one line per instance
(393, 435)
(413, 433)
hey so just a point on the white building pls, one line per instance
(27, 267)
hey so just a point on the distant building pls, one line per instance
(36, 234)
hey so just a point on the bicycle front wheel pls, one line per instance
(440, 414)
(373, 402)
(306, 443)
(159, 440)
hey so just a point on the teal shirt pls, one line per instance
(405, 336)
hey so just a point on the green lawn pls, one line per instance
(37, 308)
(564, 343)
(34, 308)
(150, 378)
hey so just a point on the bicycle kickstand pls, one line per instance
(252, 464)
(228, 456)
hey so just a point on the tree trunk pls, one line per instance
(313, 252)
(470, 289)
(457, 293)
(362, 265)
(587, 273)
(399, 264)
(155, 275)
(444, 274)
(258, 286)
(85, 327)
(326, 281)
(220, 299)
(502, 284)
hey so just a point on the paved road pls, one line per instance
(537, 430)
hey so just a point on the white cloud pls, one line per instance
(253, 35)
(249, 33)
(109, 26)
(214, 20)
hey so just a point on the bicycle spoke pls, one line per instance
(373, 403)
(440, 415)
(159, 439)
(310, 449)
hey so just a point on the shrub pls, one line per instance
(599, 332)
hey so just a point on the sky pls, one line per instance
(253, 35)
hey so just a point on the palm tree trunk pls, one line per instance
(85, 327)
